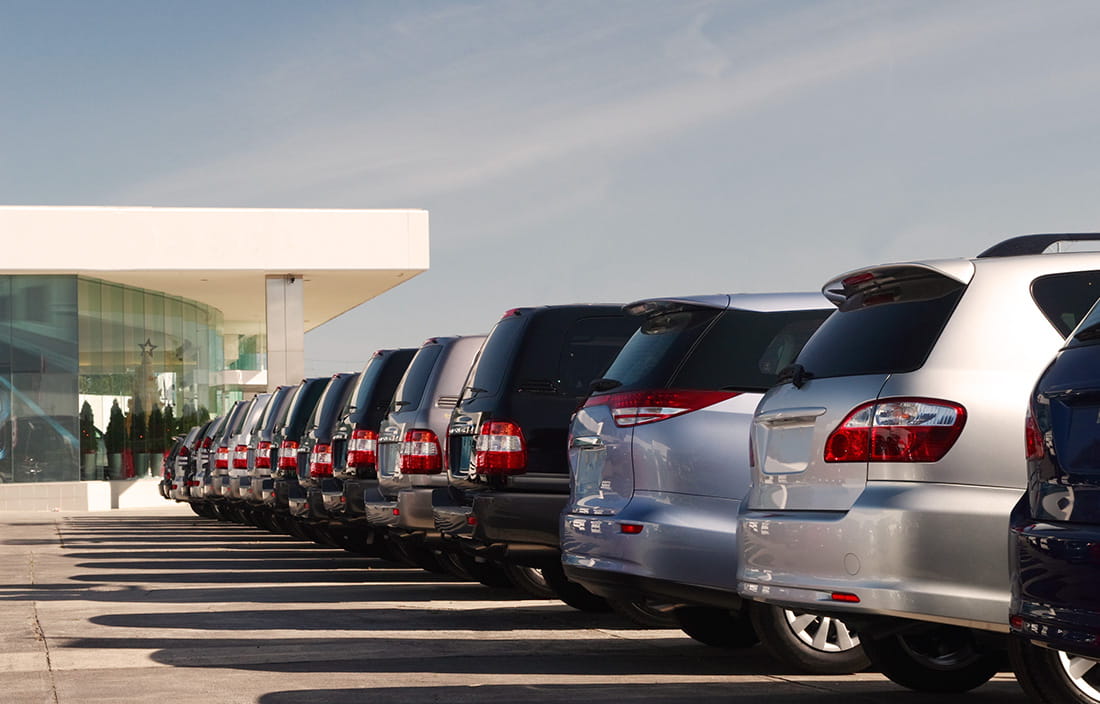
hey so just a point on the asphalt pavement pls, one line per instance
(159, 605)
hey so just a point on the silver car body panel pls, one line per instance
(440, 395)
(921, 540)
(681, 479)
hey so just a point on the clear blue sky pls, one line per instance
(575, 150)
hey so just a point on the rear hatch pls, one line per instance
(1064, 453)
(887, 322)
(406, 411)
(674, 406)
(530, 376)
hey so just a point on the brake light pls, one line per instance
(263, 455)
(419, 453)
(640, 407)
(240, 457)
(288, 455)
(857, 279)
(363, 449)
(500, 448)
(221, 458)
(897, 430)
(1033, 437)
(320, 461)
(844, 597)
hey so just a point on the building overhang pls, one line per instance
(223, 256)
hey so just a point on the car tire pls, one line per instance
(816, 645)
(572, 593)
(530, 580)
(195, 507)
(643, 612)
(944, 659)
(720, 628)
(1053, 676)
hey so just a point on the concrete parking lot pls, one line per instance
(159, 605)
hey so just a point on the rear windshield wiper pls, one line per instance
(1090, 333)
(605, 384)
(796, 374)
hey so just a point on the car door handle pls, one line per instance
(587, 442)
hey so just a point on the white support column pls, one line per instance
(286, 335)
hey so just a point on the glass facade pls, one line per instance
(38, 378)
(96, 377)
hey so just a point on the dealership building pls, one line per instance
(162, 315)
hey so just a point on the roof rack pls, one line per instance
(1035, 244)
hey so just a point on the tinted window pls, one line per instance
(590, 346)
(415, 380)
(744, 350)
(706, 348)
(496, 354)
(376, 385)
(1065, 298)
(878, 338)
(331, 402)
(650, 357)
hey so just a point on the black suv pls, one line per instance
(284, 444)
(315, 447)
(336, 503)
(507, 439)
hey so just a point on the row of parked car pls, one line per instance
(838, 476)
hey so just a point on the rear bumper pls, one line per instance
(686, 544)
(932, 552)
(1056, 568)
(516, 527)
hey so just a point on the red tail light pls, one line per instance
(1033, 438)
(844, 597)
(221, 458)
(363, 449)
(207, 442)
(184, 451)
(641, 407)
(263, 455)
(897, 430)
(288, 455)
(320, 461)
(240, 457)
(420, 453)
(500, 448)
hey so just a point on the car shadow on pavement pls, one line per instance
(836, 691)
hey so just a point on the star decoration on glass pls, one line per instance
(148, 347)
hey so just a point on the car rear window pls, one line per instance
(415, 380)
(590, 346)
(1066, 298)
(876, 337)
(496, 354)
(707, 348)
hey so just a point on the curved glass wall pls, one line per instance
(147, 364)
(96, 377)
(38, 362)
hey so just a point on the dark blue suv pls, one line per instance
(1055, 529)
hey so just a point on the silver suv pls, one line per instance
(660, 462)
(889, 456)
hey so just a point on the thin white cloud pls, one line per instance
(413, 151)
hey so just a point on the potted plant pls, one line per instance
(115, 441)
(87, 441)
